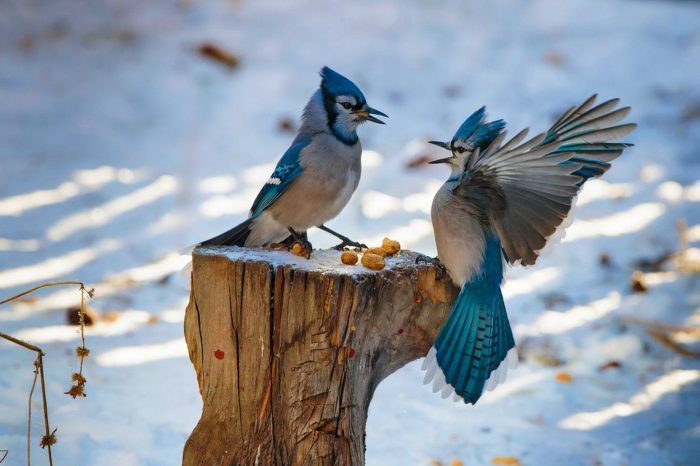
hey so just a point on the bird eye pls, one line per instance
(460, 149)
(346, 105)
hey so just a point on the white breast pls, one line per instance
(459, 236)
(344, 194)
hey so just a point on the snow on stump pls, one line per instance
(288, 351)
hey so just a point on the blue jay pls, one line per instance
(501, 203)
(316, 176)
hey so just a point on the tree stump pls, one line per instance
(288, 351)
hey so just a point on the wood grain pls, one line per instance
(287, 357)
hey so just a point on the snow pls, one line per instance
(120, 145)
(323, 260)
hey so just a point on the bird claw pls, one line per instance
(351, 244)
(435, 262)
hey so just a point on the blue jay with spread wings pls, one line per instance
(502, 203)
(316, 176)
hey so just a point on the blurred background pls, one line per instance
(131, 129)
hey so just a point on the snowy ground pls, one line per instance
(119, 145)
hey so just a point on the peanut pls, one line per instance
(373, 261)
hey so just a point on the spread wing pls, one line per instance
(286, 171)
(526, 189)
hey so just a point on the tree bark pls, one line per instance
(288, 352)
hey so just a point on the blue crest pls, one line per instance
(478, 133)
(336, 84)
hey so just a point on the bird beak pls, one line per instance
(367, 115)
(445, 160)
(444, 145)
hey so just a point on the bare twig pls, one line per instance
(663, 333)
(666, 340)
(692, 331)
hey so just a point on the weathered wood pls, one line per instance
(288, 352)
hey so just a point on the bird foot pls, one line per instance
(435, 262)
(350, 244)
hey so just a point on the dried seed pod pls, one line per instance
(379, 251)
(390, 246)
(349, 257)
(373, 261)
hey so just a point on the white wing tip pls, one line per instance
(499, 375)
(434, 374)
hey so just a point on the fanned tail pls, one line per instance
(475, 346)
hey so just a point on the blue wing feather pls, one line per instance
(286, 171)
(594, 156)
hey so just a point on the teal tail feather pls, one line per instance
(475, 346)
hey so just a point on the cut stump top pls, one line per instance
(326, 261)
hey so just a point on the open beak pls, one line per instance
(445, 160)
(444, 145)
(367, 115)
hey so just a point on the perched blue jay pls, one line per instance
(502, 202)
(316, 176)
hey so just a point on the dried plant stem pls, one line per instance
(47, 430)
(29, 410)
(38, 287)
(19, 342)
(82, 325)
(49, 438)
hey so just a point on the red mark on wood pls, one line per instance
(218, 354)
(351, 352)
(400, 331)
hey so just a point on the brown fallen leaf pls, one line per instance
(555, 58)
(638, 284)
(216, 53)
(73, 316)
(286, 125)
(610, 365)
(564, 377)
(419, 161)
(505, 460)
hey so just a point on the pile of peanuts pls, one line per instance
(372, 258)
